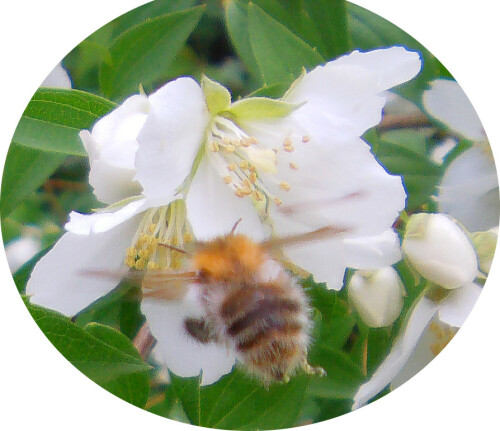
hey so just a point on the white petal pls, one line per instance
(57, 281)
(392, 66)
(213, 208)
(457, 306)
(180, 352)
(447, 102)
(19, 251)
(58, 78)
(373, 251)
(324, 259)
(469, 190)
(347, 93)
(116, 133)
(403, 347)
(171, 137)
(85, 224)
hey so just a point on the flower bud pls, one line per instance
(485, 244)
(377, 296)
(440, 250)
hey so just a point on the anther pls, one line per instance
(305, 139)
(187, 237)
(287, 143)
(252, 140)
(151, 228)
(288, 148)
(153, 266)
(140, 264)
(278, 201)
(244, 164)
(293, 166)
(232, 167)
(230, 148)
(258, 196)
(213, 146)
(285, 186)
(252, 177)
(226, 140)
(239, 192)
(228, 179)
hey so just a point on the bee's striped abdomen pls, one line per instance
(268, 324)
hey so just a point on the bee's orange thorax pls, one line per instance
(226, 258)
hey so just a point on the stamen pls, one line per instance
(239, 192)
(232, 167)
(213, 146)
(230, 148)
(293, 166)
(305, 139)
(289, 149)
(285, 186)
(278, 201)
(228, 179)
(244, 164)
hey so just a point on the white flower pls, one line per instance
(377, 296)
(440, 250)
(427, 315)
(469, 188)
(57, 78)
(21, 250)
(186, 161)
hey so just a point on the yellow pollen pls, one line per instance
(232, 167)
(245, 142)
(230, 148)
(226, 141)
(285, 186)
(144, 253)
(213, 146)
(131, 252)
(153, 266)
(239, 192)
(244, 164)
(252, 140)
(305, 139)
(258, 196)
(140, 264)
(278, 201)
(228, 179)
(143, 239)
(151, 228)
(287, 142)
(130, 262)
(293, 166)
(288, 148)
(252, 177)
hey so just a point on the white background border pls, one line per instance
(39, 388)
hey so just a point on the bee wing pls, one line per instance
(159, 284)
(315, 235)
(167, 285)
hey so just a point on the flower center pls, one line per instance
(240, 162)
(160, 225)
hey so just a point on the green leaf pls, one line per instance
(54, 117)
(236, 14)
(141, 54)
(280, 54)
(238, 402)
(330, 19)
(134, 387)
(26, 169)
(217, 97)
(404, 152)
(101, 353)
(259, 108)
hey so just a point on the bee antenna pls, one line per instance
(235, 226)
(171, 247)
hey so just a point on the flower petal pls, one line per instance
(469, 190)
(403, 347)
(57, 281)
(372, 252)
(171, 137)
(447, 102)
(457, 306)
(347, 93)
(324, 259)
(86, 224)
(213, 208)
(181, 353)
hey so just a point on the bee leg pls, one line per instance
(317, 371)
(199, 329)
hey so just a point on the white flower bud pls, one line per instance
(440, 250)
(485, 243)
(377, 296)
